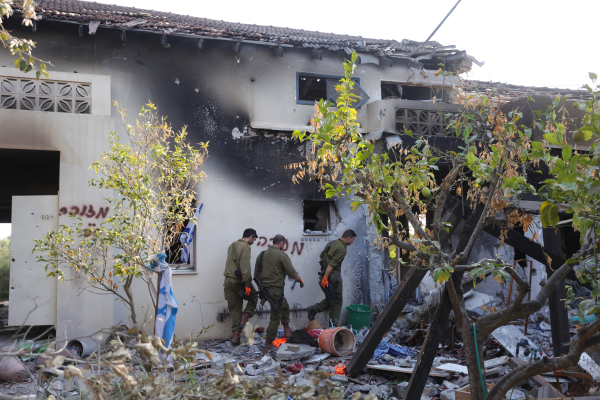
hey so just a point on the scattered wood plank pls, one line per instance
(403, 370)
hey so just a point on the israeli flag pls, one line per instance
(167, 305)
(187, 236)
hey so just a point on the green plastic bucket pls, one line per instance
(359, 316)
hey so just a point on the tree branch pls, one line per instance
(480, 224)
(519, 309)
(445, 188)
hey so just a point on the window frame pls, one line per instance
(327, 78)
(192, 269)
(330, 221)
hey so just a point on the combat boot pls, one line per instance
(268, 347)
(245, 319)
(235, 340)
(311, 313)
(287, 331)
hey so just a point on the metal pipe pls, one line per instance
(436, 29)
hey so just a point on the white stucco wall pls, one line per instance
(80, 139)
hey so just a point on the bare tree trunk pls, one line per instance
(466, 328)
(129, 293)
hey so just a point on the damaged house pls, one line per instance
(243, 88)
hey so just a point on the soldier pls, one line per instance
(272, 265)
(238, 283)
(331, 277)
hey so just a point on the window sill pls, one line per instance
(183, 271)
(314, 233)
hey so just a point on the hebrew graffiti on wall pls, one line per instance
(296, 247)
(85, 211)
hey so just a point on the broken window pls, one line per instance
(316, 216)
(313, 87)
(391, 90)
(180, 254)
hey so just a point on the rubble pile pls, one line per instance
(299, 368)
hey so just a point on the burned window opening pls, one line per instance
(175, 249)
(392, 90)
(312, 88)
(316, 216)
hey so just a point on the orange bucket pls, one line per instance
(12, 370)
(337, 341)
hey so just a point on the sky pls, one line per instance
(524, 42)
(4, 230)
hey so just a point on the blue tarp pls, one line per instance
(396, 351)
(382, 349)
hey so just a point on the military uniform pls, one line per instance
(275, 266)
(237, 279)
(333, 254)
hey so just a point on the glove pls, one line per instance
(248, 291)
(301, 283)
(325, 282)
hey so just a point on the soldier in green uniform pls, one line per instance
(238, 283)
(272, 265)
(331, 276)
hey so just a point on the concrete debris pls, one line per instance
(515, 394)
(496, 362)
(478, 304)
(317, 358)
(510, 337)
(339, 378)
(453, 368)
(268, 366)
(448, 395)
(382, 391)
(294, 352)
(590, 366)
(449, 385)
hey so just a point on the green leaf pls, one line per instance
(567, 152)
(362, 155)
(593, 76)
(545, 210)
(436, 274)
(551, 138)
(554, 218)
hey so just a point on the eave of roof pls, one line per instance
(131, 18)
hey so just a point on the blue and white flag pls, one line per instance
(187, 236)
(167, 305)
